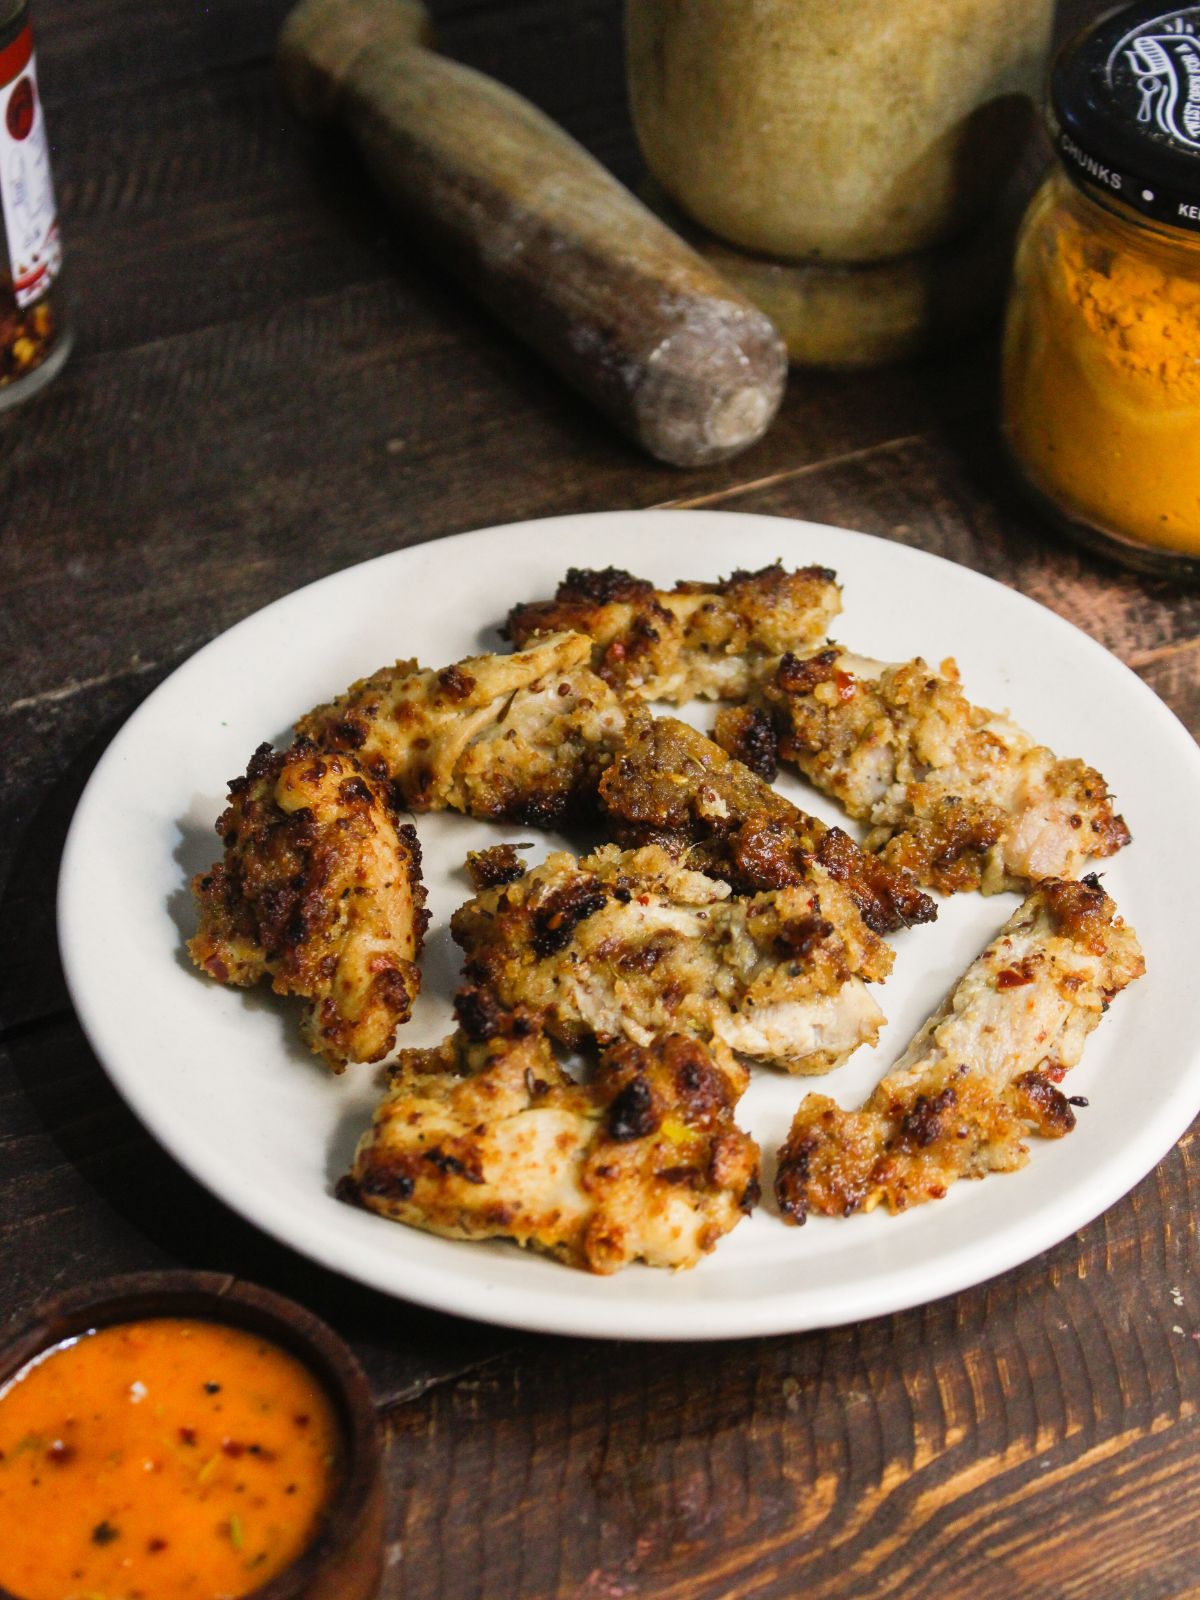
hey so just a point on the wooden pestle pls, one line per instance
(540, 231)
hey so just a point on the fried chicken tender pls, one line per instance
(670, 785)
(959, 796)
(319, 890)
(483, 1139)
(521, 736)
(708, 639)
(630, 944)
(980, 1075)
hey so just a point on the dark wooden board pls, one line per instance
(162, 240)
(50, 748)
(89, 49)
(350, 461)
(272, 383)
(210, 472)
(555, 54)
(254, 213)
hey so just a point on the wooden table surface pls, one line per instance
(271, 382)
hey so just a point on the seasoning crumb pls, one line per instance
(1176, 1329)
(105, 1533)
(212, 1388)
(1177, 1296)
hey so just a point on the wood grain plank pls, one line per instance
(176, 487)
(85, 1192)
(252, 209)
(1036, 1437)
(164, 236)
(50, 748)
(278, 386)
(1174, 675)
(98, 48)
(88, 49)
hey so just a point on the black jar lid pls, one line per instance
(1125, 110)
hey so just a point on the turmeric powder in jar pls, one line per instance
(1101, 370)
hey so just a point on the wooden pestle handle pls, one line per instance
(541, 232)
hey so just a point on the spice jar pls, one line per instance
(34, 340)
(1101, 369)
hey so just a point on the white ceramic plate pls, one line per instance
(219, 1077)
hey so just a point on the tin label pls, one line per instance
(26, 189)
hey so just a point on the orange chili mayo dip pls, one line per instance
(161, 1460)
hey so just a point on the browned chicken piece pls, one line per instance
(486, 1139)
(747, 733)
(980, 1075)
(521, 736)
(499, 863)
(708, 639)
(670, 785)
(630, 944)
(320, 891)
(959, 796)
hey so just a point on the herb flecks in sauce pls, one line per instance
(173, 1458)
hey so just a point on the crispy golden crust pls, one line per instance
(319, 890)
(670, 785)
(521, 736)
(499, 863)
(631, 944)
(981, 1074)
(957, 795)
(708, 639)
(491, 1139)
(748, 735)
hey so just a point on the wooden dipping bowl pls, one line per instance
(345, 1559)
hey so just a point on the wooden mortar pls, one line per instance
(808, 128)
